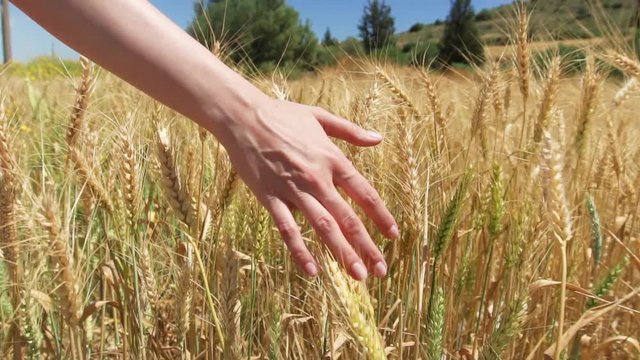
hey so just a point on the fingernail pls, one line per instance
(380, 269)
(311, 269)
(394, 232)
(374, 135)
(359, 271)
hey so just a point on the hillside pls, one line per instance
(551, 20)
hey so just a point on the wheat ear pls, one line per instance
(354, 305)
(83, 93)
(231, 307)
(548, 97)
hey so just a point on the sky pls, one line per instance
(341, 16)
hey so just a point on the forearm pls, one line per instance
(136, 42)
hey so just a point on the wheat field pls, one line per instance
(125, 232)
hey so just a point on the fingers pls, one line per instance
(290, 233)
(329, 231)
(340, 128)
(360, 190)
(356, 234)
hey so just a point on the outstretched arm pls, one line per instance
(280, 149)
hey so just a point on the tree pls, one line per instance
(416, 27)
(6, 32)
(267, 32)
(328, 39)
(377, 26)
(460, 42)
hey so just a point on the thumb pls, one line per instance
(344, 129)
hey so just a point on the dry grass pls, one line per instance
(518, 209)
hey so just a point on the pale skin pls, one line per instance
(280, 149)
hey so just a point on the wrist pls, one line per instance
(231, 109)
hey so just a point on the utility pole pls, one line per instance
(6, 32)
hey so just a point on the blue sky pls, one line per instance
(30, 40)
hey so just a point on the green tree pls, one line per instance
(377, 26)
(328, 39)
(265, 31)
(460, 42)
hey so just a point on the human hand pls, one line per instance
(283, 153)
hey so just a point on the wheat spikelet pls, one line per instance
(435, 103)
(479, 117)
(8, 189)
(355, 308)
(9, 242)
(365, 114)
(370, 105)
(603, 287)
(617, 163)
(86, 174)
(497, 96)
(508, 328)
(129, 171)
(409, 179)
(30, 328)
(83, 93)
(450, 217)
(262, 230)
(184, 292)
(630, 66)
(274, 332)
(588, 104)
(523, 62)
(399, 95)
(223, 198)
(548, 97)
(182, 204)
(68, 298)
(435, 327)
(559, 216)
(623, 94)
(554, 189)
(148, 280)
(231, 307)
